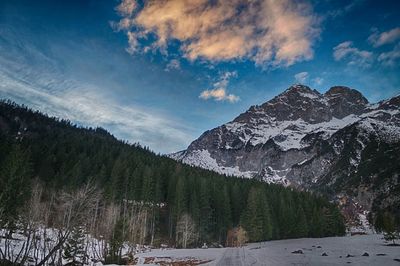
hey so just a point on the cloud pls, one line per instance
(390, 58)
(86, 105)
(301, 77)
(318, 81)
(219, 93)
(270, 33)
(344, 10)
(354, 56)
(126, 7)
(133, 43)
(378, 39)
(173, 64)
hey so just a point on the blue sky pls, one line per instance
(162, 72)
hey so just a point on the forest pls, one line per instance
(60, 181)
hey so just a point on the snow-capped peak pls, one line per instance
(272, 140)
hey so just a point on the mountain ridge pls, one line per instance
(305, 139)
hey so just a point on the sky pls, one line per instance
(162, 72)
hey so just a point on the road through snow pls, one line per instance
(233, 257)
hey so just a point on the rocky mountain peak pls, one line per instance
(344, 101)
(392, 103)
(299, 89)
(298, 102)
(347, 93)
(302, 102)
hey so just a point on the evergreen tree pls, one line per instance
(74, 253)
(256, 217)
(287, 219)
(181, 198)
(388, 227)
(301, 225)
(15, 176)
(206, 212)
(316, 229)
(116, 242)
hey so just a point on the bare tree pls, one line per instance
(241, 236)
(28, 224)
(110, 216)
(74, 209)
(185, 231)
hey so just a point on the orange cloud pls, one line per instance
(268, 32)
(219, 92)
(126, 7)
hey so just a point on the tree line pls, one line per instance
(141, 197)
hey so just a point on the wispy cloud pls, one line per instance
(173, 64)
(353, 56)
(133, 43)
(304, 77)
(272, 33)
(381, 38)
(87, 105)
(301, 77)
(390, 58)
(318, 81)
(345, 9)
(219, 91)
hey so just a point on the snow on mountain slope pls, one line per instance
(292, 121)
(287, 134)
(202, 158)
(335, 143)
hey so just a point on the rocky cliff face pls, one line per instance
(336, 143)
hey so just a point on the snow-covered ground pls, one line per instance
(338, 250)
(279, 252)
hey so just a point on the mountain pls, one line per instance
(336, 143)
(144, 195)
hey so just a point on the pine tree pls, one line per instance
(74, 252)
(286, 216)
(256, 217)
(301, 229)
(194, 206)
(148, 185)
(116, 241)
(206, 212)
(181, 198)
(316, 229)
(14, 184)
(237, 203)
(222, 211)
(389, 228)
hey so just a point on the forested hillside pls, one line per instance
(123, 191)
